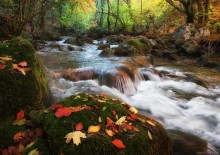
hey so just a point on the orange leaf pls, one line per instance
(118, 143)
(79, 126)
(56, 106)
(20, 115)
(113, 112)
(22, 63)
(5, 58)
(18, 136)
(101, 101)
(128, 127)
(133, 116)
(63, 111)
(151, 123)
(109, 122)
(109, 132)
(94, 129)
(135, 128)
(76, 109)
(130, 119)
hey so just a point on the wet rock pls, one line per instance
(190, 48)
(107, 52)
(189, 144)
(116, 39)
(70, 41)
(18, 91)
(190, 31)
(141, 47)
(157, 53)
(103, 46)
(197, 80)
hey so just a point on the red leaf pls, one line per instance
(113, 112)
(79, 126)
(63, 111)
(20, 115)
(22, 63)
(2, 66)
(118, 143)
(76, 109)
(56, 106)
(128, 127)
(18, 136)
(109, 122)
(130, 119)
(97, 107)
(133, 116)
(135, 128)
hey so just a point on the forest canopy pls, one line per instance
(105, 16)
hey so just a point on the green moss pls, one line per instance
(16, 90)
(141, 47)
(8, 130)
(100, 143)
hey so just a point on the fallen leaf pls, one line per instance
(2, 66)
(34, 152)
(79, 126)
(6, 58)
(151, 123)
(133, 110)
(19, 122)
(109, 132)
(31, 144)
(109, 122)
(129, 118)
(77, 97)
(22, 70)
(76, 109)
(21, 148)
(118, 143)
(128, 127)
(94, 129)
(63, 111)
(133, 116)
(120, 120)
(100, 119)
(113, 112)
(135, 128)
(22, 63)
(56, 106)
(18, 136)
(20, 115)
(149, 135)
(101, 101)
(104, 108)
(97, 107)
(75, 136)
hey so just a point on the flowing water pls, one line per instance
(176, 103)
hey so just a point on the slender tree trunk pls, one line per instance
(108, 17)
(117, 15)
(207, 6)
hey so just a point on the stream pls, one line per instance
(176, 103)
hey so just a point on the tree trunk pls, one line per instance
(117, 15)
(108, 17)
(207, 6)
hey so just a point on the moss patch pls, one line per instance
(95, 107)
(16, 90)
(142, 49)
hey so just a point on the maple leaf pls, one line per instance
(118, 143)
(133, 110)
(120, 120)
(94, 129)
(75, 136)
(20, 115)
(19, 122)
(79, 126)
(109, 132)
(22, 64)
(63, 112)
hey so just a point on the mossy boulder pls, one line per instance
(141, 48)
(17, 90)
(145, 136)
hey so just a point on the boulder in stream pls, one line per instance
(22, 78)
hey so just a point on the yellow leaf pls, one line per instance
(104, 108)
(94, 129)
(77, 97)
(31, 144)
(6, 58)
(75, 136)
(21, 148)
(19, 122)
(121, 120)
(133, 110)
(100, 119)
(34, 152)
(149, 135)
(151, 123)
(101, 101)
(109, 132)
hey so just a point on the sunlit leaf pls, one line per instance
(94, 129)
(34, 152)
(75, 136)
(120, 120)
(133, 116)
(149, 135)
(6, 58)
(151, 123)
(104, 108)
(19, 122)
(22, 63)
(133, 110)
(100, 119)
(77, 97)
(101, 101)
(79, 126)
(63, 112)
(109, 132)
(31, 144)
(109, 122)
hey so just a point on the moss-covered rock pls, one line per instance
(17, 90)
(94, 111)
(141, 48)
